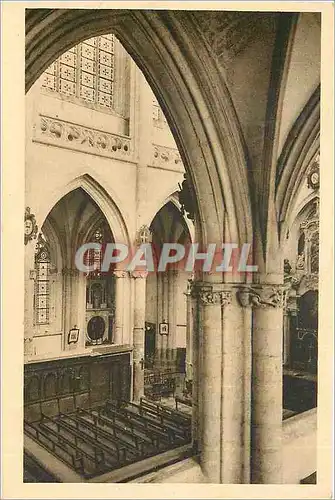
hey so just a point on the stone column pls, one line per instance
(67, 302)
(286, 337)
(211, 304)
(172, 317)
(165, 310)
(189, 333)
(160, 300)
(267, 334)
(290, 315)
(79, 307)
(74, 306)
(221, 380)
(195, 368)
(138, 334)
(120, 276)
(29, 291)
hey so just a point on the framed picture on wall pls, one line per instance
(164, 328)
(73, 336)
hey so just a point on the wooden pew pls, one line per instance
(117, 453)
(138, 441)
(177, 416)
(74, 460)
(164, 419)
(98, 461)
(159, 420)
(157, 437)
(101, 433)
(150, 425)
(179, 426)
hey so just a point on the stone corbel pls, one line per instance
(261, 296)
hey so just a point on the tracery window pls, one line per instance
(42, 284)
(86, 72)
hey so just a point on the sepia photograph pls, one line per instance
(175, 204)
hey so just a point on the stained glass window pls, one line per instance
(86, 72)
(42, 285)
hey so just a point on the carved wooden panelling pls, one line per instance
(64, 385)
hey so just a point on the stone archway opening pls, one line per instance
(221, 208)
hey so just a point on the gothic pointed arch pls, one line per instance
(172, 198)
(299, 153)
(109, 208)
(205, 128)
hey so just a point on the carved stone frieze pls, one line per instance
(261, 296)
(69, 135)
(163, 156)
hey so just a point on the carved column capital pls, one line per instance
(120, 273)
(141, 273)
(172, 272)
(266, 295)
(66, 271)
(208, 296)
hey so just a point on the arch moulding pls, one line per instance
(104, 201)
